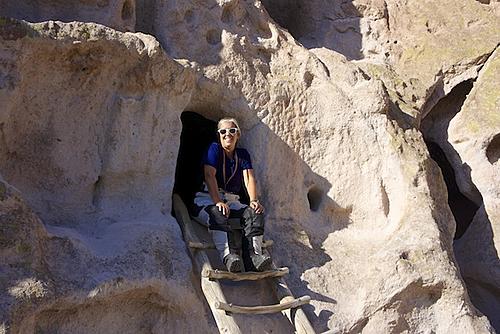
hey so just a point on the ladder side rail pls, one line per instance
(211, 289)
(296, 316)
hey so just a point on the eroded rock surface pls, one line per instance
(89, 134)
(474, 133)
(117, 14)
(103, 252)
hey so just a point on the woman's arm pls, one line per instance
(213, 189)
(251, 185)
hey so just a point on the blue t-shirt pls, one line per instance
(215, 158)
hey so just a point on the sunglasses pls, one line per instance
(230, 130)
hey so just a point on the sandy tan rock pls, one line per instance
(411, 45)
(108, 85)
(119, 266)
(318, 118)
(23, 275)
(356, 205)
(117, 14)
(475, 135)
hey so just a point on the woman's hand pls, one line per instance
(259, 208)
(224, 208)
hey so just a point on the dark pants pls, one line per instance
(244, 219)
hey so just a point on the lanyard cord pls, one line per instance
(224, 167)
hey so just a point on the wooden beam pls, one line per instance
(200, 245)
(209, 245)
(246, 276)
(263, 309)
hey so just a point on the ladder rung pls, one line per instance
(246, 276)
(209, 245)
(262, 309)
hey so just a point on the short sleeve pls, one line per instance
(211, 157)
(246, 162)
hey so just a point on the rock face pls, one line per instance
(106, 250)
(117, 14)
(475, 135)
(334, 112)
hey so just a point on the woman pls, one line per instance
(226, 169)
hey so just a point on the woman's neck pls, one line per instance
(229, 153)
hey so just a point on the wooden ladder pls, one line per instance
(221, 309)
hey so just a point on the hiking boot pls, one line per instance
(258, 260)
(261, 262)
(233, 263)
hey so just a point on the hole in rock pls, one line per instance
(386, 205)
(127, 10)
(463, 208)
(493, 149)
(315, 197)
(96, 194)
(189, 16)
(213, 36)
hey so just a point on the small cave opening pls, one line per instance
(493, 149)
(315, 198)
(434, 128)
(462, 208)
(287, 14)
(213, 36)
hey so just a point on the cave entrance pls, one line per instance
(197, 134)
(434, 128)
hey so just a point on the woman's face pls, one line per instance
(228, 140)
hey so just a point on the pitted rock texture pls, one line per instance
(89, 134)
(415, 39)
(117, 14)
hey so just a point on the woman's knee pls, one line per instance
(217, 221)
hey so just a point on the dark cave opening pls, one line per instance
(462, 208)
(315, 197)
(435, 131)
(493, 149)
(197, 134)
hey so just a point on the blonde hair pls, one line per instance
(229, 119)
